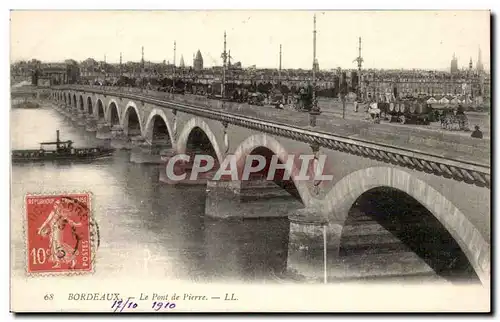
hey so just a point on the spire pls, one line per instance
(181, 64)
(479, 65)
(470, 63)
(454, 64)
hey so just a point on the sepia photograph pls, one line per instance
(250, 160)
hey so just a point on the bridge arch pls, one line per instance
(259, 141)
(346, 192)
(100, 110)
(193, 123)
(112, 113)
(90, 108)
(82, 104)
(131, 120)
(150, 125)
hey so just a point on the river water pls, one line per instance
(149, 228)
(146, 227)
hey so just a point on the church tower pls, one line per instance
(479, 65)
(454, 64)
(198, 61)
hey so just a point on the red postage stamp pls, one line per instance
(60, 233)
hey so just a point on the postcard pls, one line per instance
(250, 161)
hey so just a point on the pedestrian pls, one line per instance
(477, 133)
(356, 106)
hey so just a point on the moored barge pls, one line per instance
(64, 151)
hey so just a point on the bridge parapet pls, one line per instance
(471, 172)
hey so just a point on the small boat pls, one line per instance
(64, 151)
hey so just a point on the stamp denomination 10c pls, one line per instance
(60, 233)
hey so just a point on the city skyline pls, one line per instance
(421, 39)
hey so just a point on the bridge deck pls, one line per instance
(424, 139)
(453, 145)
(446, 144)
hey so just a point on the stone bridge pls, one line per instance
(451, 189)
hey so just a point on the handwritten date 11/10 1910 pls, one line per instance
(130, 305)
(162, 302)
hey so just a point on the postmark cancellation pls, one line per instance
(61, 234)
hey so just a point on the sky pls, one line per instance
(390, 39)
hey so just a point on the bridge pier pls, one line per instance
(165, 154)
(313, 245)
(144, 152)
(74, 115)
(91, 124)
(118, 138)
(64, 110)
(184, 168)
(103, 130)
(81, 118)
(258, 198)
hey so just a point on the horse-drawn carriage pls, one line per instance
(408, 111)
(256, 99)
(418, 111)
(453, 119)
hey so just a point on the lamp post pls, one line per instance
(173, 73)
(315, 110)
(342, 90)
(224, 61)
(359, 60)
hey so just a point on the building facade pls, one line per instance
(428, 84)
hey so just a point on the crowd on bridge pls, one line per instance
(254, 94)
